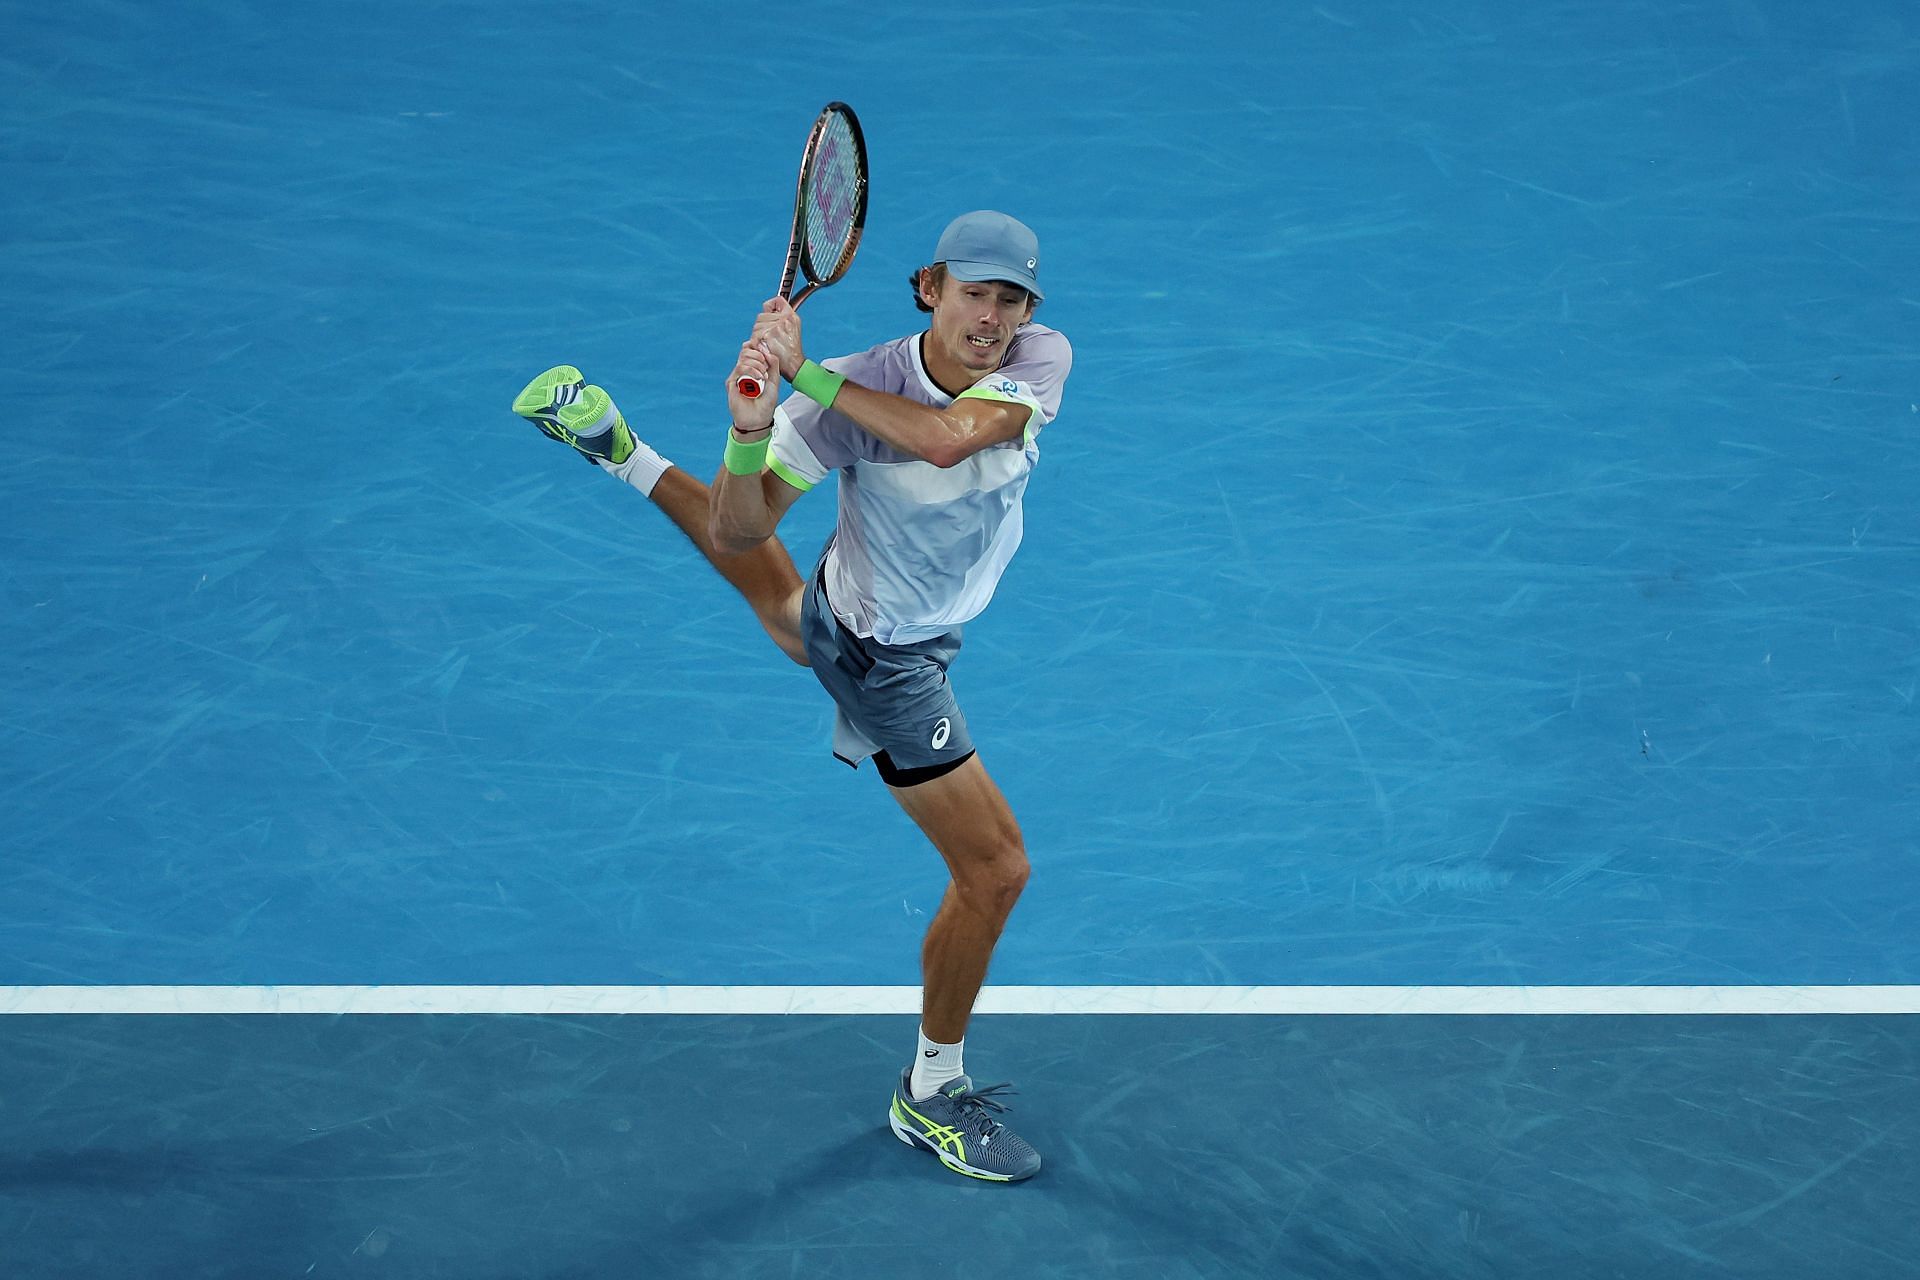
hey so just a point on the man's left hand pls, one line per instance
(778, 326)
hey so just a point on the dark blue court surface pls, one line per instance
(1178, 1147)
(1478, 547)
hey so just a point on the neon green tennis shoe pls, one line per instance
(564, 406)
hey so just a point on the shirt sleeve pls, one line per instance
(1035, 376)
(809, 441)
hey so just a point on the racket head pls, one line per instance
(831, 210)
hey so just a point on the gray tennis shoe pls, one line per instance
(957, 1124)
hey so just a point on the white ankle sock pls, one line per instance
(643, 470)
(934, 1066)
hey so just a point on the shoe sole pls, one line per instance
(559, 402)
(536, 399)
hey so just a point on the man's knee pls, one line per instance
(1016, 876)
(994, 883)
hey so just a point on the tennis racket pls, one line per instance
(829, 210)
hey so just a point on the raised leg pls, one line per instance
(765, 576)
(565, 407)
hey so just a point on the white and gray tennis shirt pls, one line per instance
(919, 549)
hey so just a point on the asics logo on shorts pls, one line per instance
(941, 732)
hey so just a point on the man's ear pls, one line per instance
(929, 291)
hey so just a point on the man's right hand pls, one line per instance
(758, 362)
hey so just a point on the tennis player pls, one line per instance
(934, 438)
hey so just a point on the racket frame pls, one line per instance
(800, 263)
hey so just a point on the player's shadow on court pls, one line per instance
(219, 1207)
(106, 1169)
(226, 1163)
(858, 1205)
(810, 1206)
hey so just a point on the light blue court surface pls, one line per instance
(1478, 548)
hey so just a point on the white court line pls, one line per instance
(906, 1000)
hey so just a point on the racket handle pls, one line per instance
(749, 387)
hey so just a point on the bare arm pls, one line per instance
(744, 510)
(944, 437)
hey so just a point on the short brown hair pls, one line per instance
(937, 275)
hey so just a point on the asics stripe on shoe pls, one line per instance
(564, 406)
(957, 1125)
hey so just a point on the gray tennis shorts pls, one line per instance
(891, 698)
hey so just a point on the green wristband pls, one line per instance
(744, 457)
(817, 384)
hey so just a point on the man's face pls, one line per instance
(973, 323)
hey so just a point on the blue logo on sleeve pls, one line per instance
(1009, 387)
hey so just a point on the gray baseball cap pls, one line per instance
(984, 245)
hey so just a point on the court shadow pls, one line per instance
(230, 1162)
(108, 1169)
(764, 1222)
(213, 1209)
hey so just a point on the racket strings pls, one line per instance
(834, 182)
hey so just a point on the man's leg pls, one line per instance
(764, 576)
(970, 823)
(564, 407)
(968, 820)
